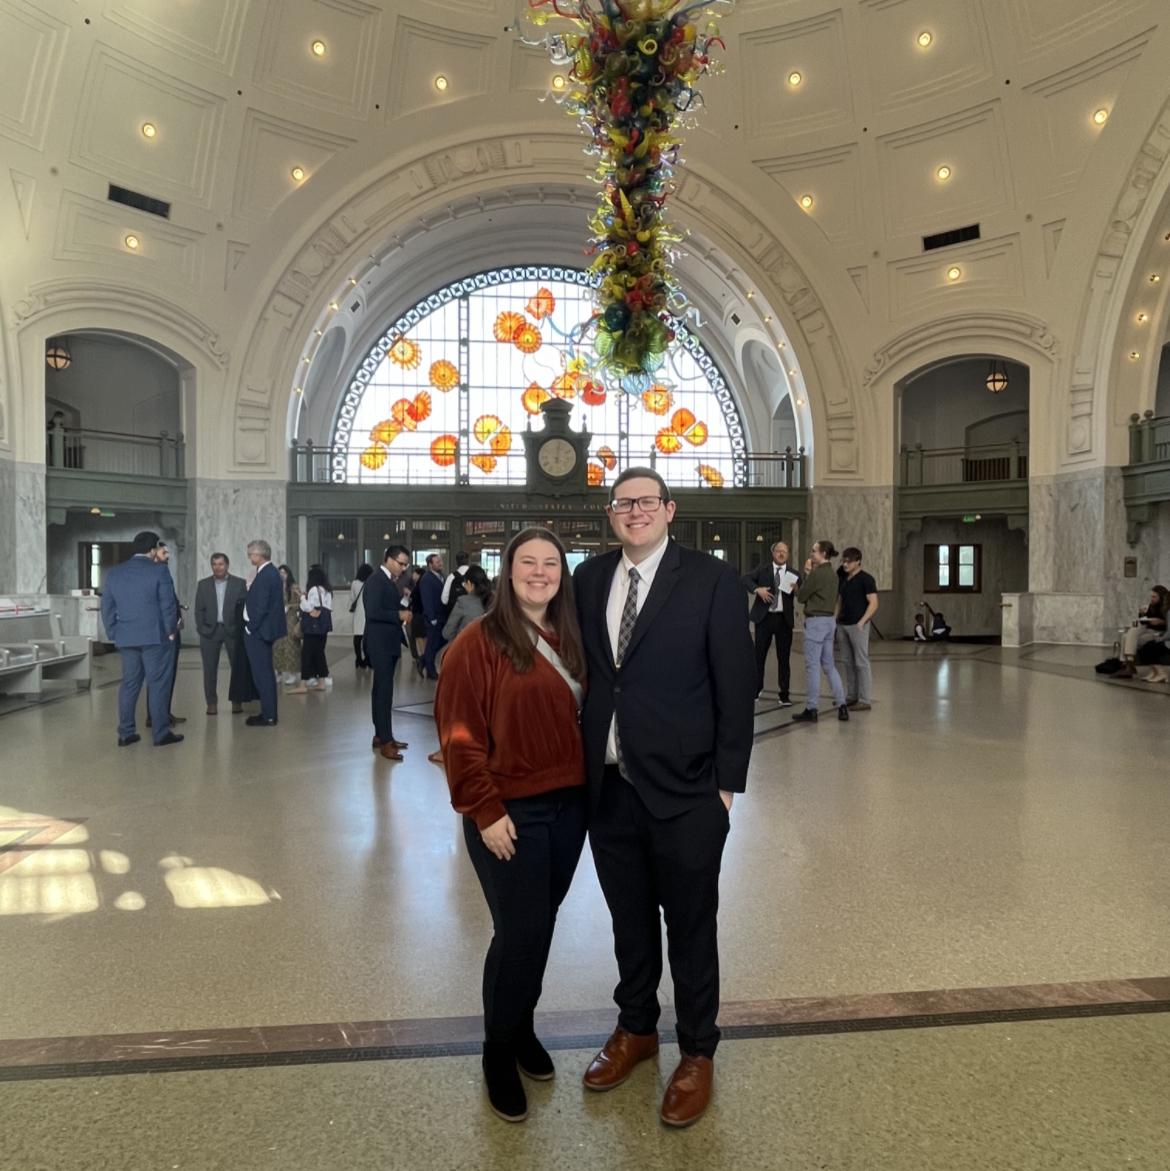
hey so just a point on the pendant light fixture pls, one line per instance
(997, 377)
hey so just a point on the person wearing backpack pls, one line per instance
(316, 623)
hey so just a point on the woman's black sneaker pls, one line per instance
(808, 716)
(533, 1059)
(843, 712)
(505, 1090)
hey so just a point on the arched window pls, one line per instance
(447, 390)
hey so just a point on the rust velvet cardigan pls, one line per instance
(503, 734)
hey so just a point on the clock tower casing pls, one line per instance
(554, 448)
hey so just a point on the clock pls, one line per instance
(557, 458)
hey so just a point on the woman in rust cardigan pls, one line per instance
(506, 710)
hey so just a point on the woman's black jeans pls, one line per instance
(524, 895)
(314, 664)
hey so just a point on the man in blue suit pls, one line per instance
(264, 623)
(141, 617)
(431, 588)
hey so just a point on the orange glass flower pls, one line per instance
(444, 450)
(657, 400)
(682, 421)
(668, 442)
(502, 441)
(607, 457)
(712, 476)
(565, 385)
(528, 339)
(531, 399)
(485, 427)
(594, 475)
(697, 435)
(485, 463)
(420, 409)
(444, 376)
(405, 353)
(506, 326)
(374, 457)
(542, 304)
(386, 431)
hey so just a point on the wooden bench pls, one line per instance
(33, 651)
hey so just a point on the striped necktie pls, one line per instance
(625, 630)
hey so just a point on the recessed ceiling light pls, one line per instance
(149, 129)
(1142, 318)
(318, 48)
(750, 294)
(353, 280)
(298, 390)
(925, 39)
(800, 402)
(559, 82)
(1154, 278)
(943, 173)
(782, 345)
(306, 361)
(95, 512)
(795, 78)
(441, 84)
(1134, 355)
(806, 201)
(954, 272)
(319, 332)
(1100, 117)
(132, 242)
(334, 306)
(298, 173)
(791, 373)
(768, 319)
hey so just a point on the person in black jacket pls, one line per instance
(385, 638)
(774, 586)
(667, 726)
(264, 623)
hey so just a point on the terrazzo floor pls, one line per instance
(999, 818)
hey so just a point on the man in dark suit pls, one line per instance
(141, 618)
(264, 623)
(431, 586)
(667, 726)
(385, 638)
(774, 586)
(216, 600)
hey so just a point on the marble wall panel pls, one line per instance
(29, 528)
(224, 515)
(1071, 618)
(7, 524)
(856, 516)
(1066, 526)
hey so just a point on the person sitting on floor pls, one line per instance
(939, 629)
(919, 629)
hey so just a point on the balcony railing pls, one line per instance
(1149, 438)
(82, 449)
(990, 463)
(310, 464)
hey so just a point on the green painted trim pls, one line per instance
(67, 488)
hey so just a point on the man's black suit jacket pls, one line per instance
(684, 694)
(766, 576)
(382, 599)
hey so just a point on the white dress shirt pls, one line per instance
(259, 570)
(220, 594)
(618, 590)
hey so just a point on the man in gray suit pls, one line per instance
(216, 602)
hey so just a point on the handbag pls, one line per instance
(354, 603)
(322, 624)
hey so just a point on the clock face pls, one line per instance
(557, 457)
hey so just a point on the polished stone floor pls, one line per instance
(998, 819)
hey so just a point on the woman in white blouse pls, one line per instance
(358, 610)
(316, 623)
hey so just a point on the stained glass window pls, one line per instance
(446, 392)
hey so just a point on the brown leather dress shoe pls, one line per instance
(688, 1092)
(618, 1057)
(389, 752)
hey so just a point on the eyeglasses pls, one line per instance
(401, 564)
(624, 504)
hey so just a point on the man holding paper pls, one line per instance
(774, 586)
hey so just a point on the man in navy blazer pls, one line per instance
(264, 623)
(667, 725)
(385, 638)
(141, 618)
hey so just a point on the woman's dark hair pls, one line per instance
(827, 548)
(289, 581)
(364, 572)
(480, 586)
(1163, 597)
(317, 579)
(505, 623)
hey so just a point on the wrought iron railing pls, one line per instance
(987, 463)
(83, 449)
(1149, 438)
